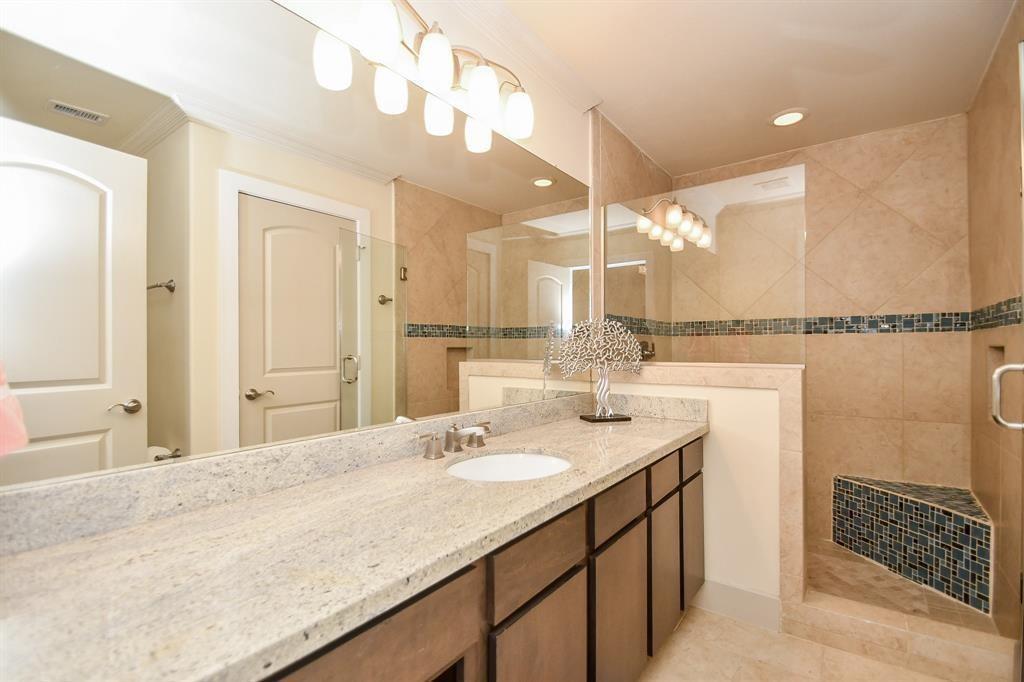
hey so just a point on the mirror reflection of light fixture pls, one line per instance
(390, 91)
(673, 224)
(332, 62)
(705, 239)
(543, 182)
(438, 116)
(485, 89)
(478, 136)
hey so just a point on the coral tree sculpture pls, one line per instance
(606, 346)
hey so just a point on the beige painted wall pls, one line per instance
(210, 151)
(167, 323)
(886, 232)
(996, 226)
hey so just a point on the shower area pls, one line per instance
(889, 265)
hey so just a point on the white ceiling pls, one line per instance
(694, 83)
(259, 82)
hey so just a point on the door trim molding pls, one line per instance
(229, 185)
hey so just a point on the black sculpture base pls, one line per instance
(594, 419)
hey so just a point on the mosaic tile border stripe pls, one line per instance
(1001, 314)
(924, 543)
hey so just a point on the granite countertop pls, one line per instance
(240, 590)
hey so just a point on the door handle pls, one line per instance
(252, 393)
(130, 407)
(997, 377)
(344, 369)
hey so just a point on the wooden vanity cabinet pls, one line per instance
(619, 606)
(666, 577)
(693, 537)
(436, 633)
(547, 639)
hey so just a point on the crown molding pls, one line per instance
(502, 27)
(212, 116)
(154, 129)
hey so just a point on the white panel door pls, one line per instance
(298, 325)
(550, 295)
(72, 300)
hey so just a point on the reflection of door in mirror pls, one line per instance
(72, 301)
(298, 345)
(481, 289)
(550, 295)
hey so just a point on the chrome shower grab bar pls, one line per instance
(997, 377)
(169, 285)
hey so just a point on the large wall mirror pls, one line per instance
(191, 264)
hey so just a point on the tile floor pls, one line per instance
(707, 647)
(837, 571)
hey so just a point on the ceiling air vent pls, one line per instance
(81, 114)
(773, 184)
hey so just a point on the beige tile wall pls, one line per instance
(886, 232)
(993, 163)
(433, 227)
(626, 171)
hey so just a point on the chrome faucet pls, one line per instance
(454, 436)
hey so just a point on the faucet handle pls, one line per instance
(433, 449)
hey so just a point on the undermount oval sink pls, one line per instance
(508, 466)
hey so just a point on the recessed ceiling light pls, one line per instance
(788, 117)
(543, 182)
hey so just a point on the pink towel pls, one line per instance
(12, 423)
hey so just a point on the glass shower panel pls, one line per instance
(740, 299)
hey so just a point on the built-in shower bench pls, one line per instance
(933, 535)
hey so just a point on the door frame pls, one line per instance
(229, 185)
(491, 250)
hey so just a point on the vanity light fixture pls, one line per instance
(332, 62)
(543, 182)
(438, 116)
(489, 92)
(788, 117)
(673, 225)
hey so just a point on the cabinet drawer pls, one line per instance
(664, 477)
(524, 568)
(617, 506)
(693, 458)
(547, 641)
(416, 642)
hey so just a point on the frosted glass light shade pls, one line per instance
(332, 62)
(705, 239)
(390, 91)
(380, 30)
(674, 215)
(678, 244)
(484, 98)
(518, 115)
(643, 224)
(438, 116)
(436, 62)
(656, 232)
(478, 136)
(696, 231)
(667, 236)
(686, 223)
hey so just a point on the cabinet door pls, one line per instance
(666, 578)
(693, 538)
(547, 640)
(619, 576)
